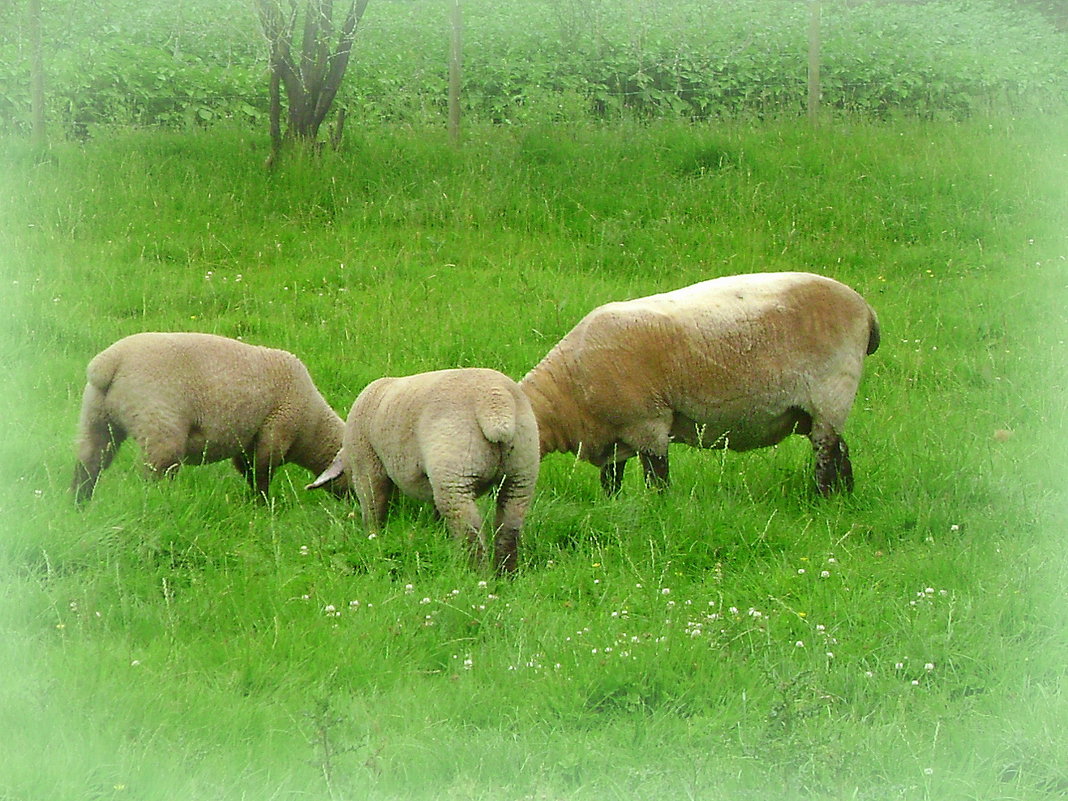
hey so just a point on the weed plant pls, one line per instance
(734, 638)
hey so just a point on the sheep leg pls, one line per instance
(163, 454)
(258, 477)
(463, 521)
(656, 470)
(513, 499)
(99, 443)
(374, 492)
(833, 468)
(612, 476)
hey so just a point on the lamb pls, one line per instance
(739, 362)
(447, 436)
(199, 398)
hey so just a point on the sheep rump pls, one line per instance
(189, 398)
(739, 362)
(447, 437)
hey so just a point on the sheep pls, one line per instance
(446, 436)
(739, 362)
(199, 398)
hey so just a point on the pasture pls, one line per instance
(736, 637)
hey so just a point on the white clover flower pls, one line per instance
(800, 571)
(830, 655)
(665, 591)
(483, 584)
(408, 587)
(929, 666)
(899, 666)
(799, 644)
(825, 574)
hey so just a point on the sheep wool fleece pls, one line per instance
(199, 398)
(448, 437)
(738, 362)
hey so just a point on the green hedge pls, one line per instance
(158, 63)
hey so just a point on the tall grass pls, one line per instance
(735, 638)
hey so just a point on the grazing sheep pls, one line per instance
(199, 398)
(738, 362)
(447, 436)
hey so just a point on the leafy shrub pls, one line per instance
(176, 65)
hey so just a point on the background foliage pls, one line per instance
(195, 62)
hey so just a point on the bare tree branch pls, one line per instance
(311, 79)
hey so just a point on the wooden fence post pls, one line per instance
(37, 93)
(455, 65)
(814, 60)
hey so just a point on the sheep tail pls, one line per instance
(97, 439)
(873, 332)
(102, 369)
(496, 414)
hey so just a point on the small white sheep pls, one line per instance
(738, 362)
(199, 398)
(448, 437)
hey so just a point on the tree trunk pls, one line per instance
(814, 60)
(455, 73)
(311, 80)
(37, 95)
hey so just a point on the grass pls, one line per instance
(735, 638)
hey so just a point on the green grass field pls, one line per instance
(735, 638)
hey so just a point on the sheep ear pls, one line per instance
(328, 475)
